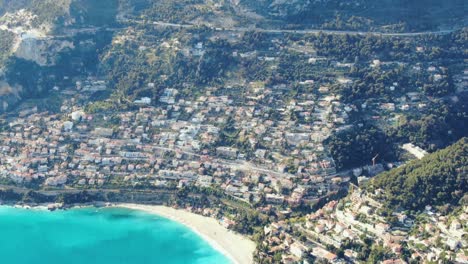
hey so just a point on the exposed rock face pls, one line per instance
(43, 51)
(45, 31)
(31, 45)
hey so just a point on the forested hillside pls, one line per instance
(356, 147)
(6, 40)
(438, 179)
(393, 15)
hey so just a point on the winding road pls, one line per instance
(302, 32)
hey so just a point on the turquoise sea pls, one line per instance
(101, 236)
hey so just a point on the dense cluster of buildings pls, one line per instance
(177, 141)
(337, 233)
(258, 142)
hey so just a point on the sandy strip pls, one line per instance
(237, 247)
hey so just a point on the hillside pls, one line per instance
(6, 40)
(188, 99)
(393, 15)
(438, 179)
(46, 11)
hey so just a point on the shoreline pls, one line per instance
(237, 248)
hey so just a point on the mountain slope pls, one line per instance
(437, 179)
(47, 11)
(364, 14)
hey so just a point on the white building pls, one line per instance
(143, 101)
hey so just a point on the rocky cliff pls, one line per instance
(42, 51)
(48, 40)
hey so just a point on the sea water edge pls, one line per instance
(99, 235)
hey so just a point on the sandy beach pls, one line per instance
(237, 247)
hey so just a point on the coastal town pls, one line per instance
(276, 135)
(180, 142)
(153, 147)
(175, 142)
(339, 230)
(254, 140)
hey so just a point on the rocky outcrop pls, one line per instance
(40, 40)
(43, 51)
